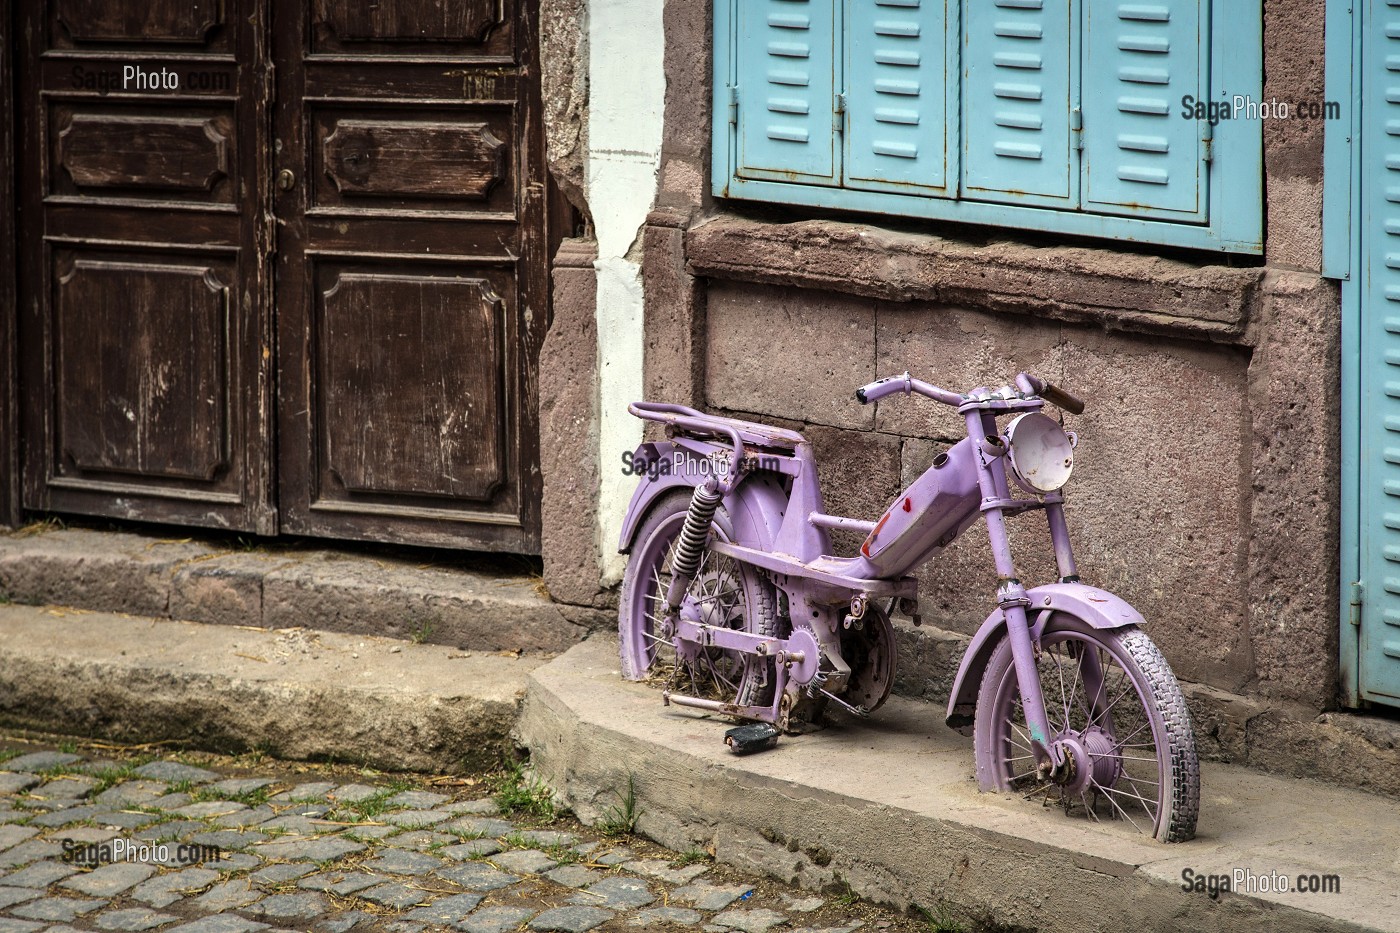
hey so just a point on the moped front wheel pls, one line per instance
(1116, 710)
(726, 592)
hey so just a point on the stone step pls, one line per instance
(481, 606)
(298, 694)
(888, 807)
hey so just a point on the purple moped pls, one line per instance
(733, 597)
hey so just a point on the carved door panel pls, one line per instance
(144, 335)
(411, 270)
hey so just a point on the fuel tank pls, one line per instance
(929, 515)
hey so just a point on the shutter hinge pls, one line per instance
(1076, 127)
(1358, 595)
(838, 118)
(1207, 141)
(733, 105)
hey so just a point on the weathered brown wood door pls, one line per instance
(145, 346)
(333, 231)
(411, 269)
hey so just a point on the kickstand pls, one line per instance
(756, 737)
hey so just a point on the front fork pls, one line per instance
(1015, 603)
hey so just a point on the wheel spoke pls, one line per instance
(1128, 793)
(1115, 805)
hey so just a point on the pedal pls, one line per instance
(756, 737)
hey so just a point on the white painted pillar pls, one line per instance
(626, 97)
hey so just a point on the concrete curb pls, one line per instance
(292, 694)
(888, 808)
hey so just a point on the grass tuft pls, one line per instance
(621, 819)
(516, 792)
(941, 920)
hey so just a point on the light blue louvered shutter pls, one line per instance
(897, 85)
(1141, 157)
(1016, 91)
(1379, 449)
(785, 60)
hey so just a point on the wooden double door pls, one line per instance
(283, 265)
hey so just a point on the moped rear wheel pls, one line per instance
(1131, 751)
(727, 592)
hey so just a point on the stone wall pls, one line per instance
(1207, 484)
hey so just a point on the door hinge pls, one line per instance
(1358, 595)
(838, 116)
(733, 105)
(1076, 127)
(1207, 141)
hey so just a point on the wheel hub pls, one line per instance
(1089, 759)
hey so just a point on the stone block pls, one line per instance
(569, 431)
(788, 352)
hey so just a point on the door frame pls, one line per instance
(10, 513)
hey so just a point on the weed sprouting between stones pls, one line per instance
(517, 792)
(621, 818)
(691, 857)
(940, 920)
(375, 805)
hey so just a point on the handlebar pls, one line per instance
(1051, 393)
(1028, 384)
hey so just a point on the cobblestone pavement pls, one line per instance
(93, 838)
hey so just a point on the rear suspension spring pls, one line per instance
(690, 545)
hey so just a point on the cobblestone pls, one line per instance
(10, 896)
(55, 908)
(338, 857)
(617, 892)
(524, 861)
(750, 921)
(495, 919)
(306, 906)
(659, 916)
(474, 848)
(133, 919)
(175, 772)
(708, 896)
(39, 876)
(109, 880)
(399, 862)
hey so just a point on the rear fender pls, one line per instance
(755, 506)
(1098, 608)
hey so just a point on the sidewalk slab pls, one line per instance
(889, 807)
(483, 604)
(292, 693)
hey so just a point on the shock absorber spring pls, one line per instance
(690, 545)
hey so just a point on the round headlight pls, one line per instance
(1042, 455)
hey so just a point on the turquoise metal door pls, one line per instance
(1378, 291)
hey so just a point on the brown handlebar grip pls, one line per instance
(1066, 400)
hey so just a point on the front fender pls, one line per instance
(755, 506)
(1099, 608)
